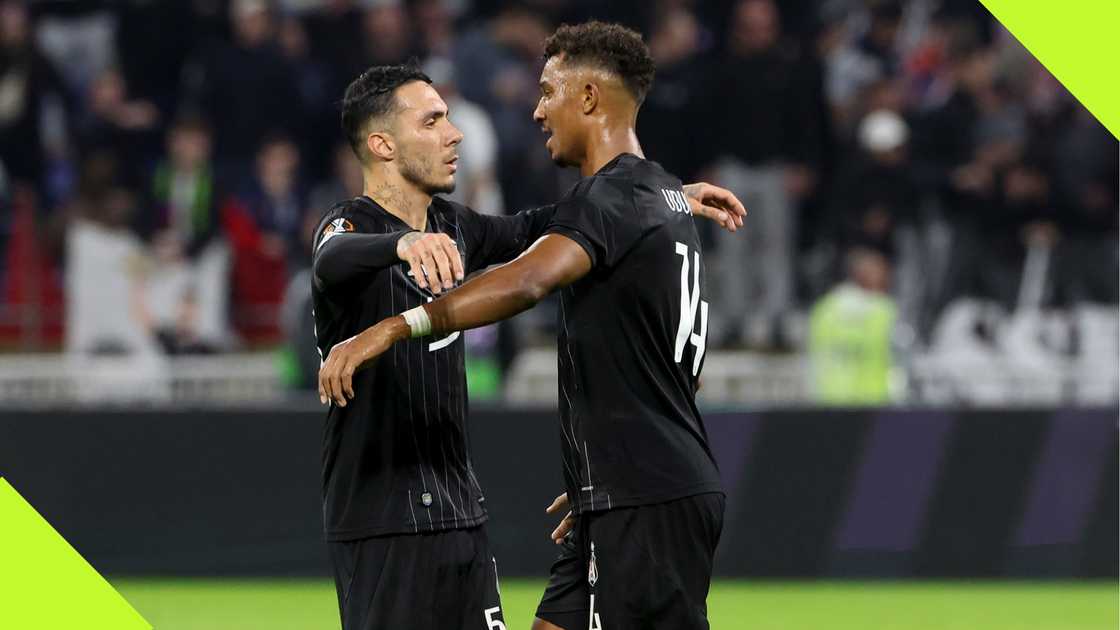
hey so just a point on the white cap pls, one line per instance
(883, 130)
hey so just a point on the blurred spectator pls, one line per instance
(1085, 167)
(106, 305)
(276, 201)
(78, 37)
(245, 86)
(335, 32)
(435, 27)
(850, 335)
(266, 224)
(30, 88)
(766, 126)
(318, 93)
(345, 182)
(874, 193)
(944, 132)
(386, 37)
(153, 42)
(878, 44)
(669, 118)
(497, 66)
(853, 63)
(112, 121)
(476, 182)
(189, 280)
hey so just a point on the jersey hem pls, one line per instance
(601, 505)
(342, 535)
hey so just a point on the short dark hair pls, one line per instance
(371, 96)
(613, 47)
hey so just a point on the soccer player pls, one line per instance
(402, 509)
(623, 251)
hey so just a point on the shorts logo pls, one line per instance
(334, 228)
(592, 569)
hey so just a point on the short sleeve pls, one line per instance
(602, 221)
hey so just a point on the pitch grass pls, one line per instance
(274, 604)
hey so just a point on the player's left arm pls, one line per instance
(554, 261)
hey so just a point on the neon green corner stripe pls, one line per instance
(1077, 42)
(45, 584)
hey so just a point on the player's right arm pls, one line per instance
(343, 255)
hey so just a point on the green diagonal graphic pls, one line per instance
(45, 584)
(1078, 44)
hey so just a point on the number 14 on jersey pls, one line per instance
(690, 303)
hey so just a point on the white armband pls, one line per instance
(418, 321)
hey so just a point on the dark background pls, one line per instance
(857, 493)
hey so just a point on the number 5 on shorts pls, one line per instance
(491, 622)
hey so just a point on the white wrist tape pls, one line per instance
(418, 321)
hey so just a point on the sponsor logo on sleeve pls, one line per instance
(334, 228)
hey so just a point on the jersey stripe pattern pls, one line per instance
(396, 459)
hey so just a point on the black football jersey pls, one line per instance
(397, 458)
(632, 341)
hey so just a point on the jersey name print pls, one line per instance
(676, 200)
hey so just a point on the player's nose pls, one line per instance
(538, 113)
(456, 136)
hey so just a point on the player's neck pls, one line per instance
(399, 198)
(607, 143)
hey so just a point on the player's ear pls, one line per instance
(381, 145)
(590, 97)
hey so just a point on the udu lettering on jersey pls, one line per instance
(676, 200)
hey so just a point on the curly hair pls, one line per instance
(370, 96)
(612, 47)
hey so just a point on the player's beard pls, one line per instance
(421, 173)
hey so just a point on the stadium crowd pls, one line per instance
(163, 162)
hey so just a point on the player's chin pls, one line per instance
(446, 185)
(560, 160)
(553, 154)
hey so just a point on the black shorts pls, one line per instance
(648, 566)
(440, 581)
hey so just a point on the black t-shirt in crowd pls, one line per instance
(631, 342)
(396, 458)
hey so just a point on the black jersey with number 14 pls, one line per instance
(632, 340)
